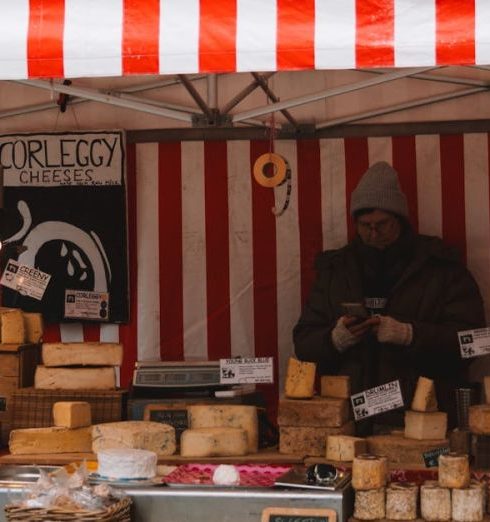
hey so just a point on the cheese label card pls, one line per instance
(244, 370)
(474, 343)
(25, 279)
(431, 458)
(83, 304)
(377, 400)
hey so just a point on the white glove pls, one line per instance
(342, 338)
(392, 331)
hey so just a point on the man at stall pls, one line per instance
(415, 295)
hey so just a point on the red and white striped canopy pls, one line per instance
(82, 38)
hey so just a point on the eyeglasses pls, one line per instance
(380, 226)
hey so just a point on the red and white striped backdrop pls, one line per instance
(215, 274)
(75, 38)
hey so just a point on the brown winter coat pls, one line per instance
(435, 293)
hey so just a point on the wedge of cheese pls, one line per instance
(227, 416)
(425, 425)
(319, 411)
(34, 441)
(146, 435)
(75, 378)
(213, 442)
(12, 329)
(34, 327)
(72, 414)
(337, 386)
(300, 379)
(344, 448)
(424, 398)
(82, 354)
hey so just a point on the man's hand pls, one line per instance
(349, 331)
(360, 329)
(392, 331)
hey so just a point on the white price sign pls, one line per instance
(474, 343)
(25, 279)
(244, 370)
(379, 399)
(82, 304)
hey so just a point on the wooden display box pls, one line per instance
(18, 364)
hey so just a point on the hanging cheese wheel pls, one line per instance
(401, 501)
(454, 470)
(369, 472)
(369, 504)
(435, 502)
(467, 503)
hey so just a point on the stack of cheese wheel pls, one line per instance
(467, 497)
(369, 474)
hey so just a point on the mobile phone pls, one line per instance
(355, 310)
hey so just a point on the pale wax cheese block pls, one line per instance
(72, 414)
(213, 442)
(118, 463)
(369, 504)
(401, 501)
(467, 504)
(318, 412)
(75, 378)
(227, 416)
(425, 425)
(369, 472)
(300, 379)
(82, 354)
(337, 386)
(344, 448)
(424, 398)
(454, 471)
(309, 441)
(147, 435)
(35, 441)
(435, 502)
(12, 326)
(34, 327)
(479, 419)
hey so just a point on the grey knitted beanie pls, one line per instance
(379, 188)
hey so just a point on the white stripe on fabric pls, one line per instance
(92, 38)
(415, 33)
(334, 211)
(335, 34)
(288, 260)
(179, 36)
(477, 217)
(482, 32)
(429, 194)
(256, 35)
(241, 255)
(71, 333)
(109, 333)
(147, 252)
(380, 149)
(194, 251)
(14, 25)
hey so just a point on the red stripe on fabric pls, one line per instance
(309, 210)
(140, 40)
(45, 39)
(356, 163)
(217, 249)
(217, 36)
(91, 333)
(265, 277)
(375, 33)
(128, 333)
(452, 182)
(455, 32)
(52, 333)
(405, 163)
(170, 251)
(295, 34)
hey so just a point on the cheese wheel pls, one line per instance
(309, 441)
(321, 412)
(401, 501)
(345, 448)
(435, 502)
(424, 398)
(467, 504)
(454, 470)
(369, 472)
(300, 379)
(213, 442)
(479, 419)
(369, 504)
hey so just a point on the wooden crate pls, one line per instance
(18, 364)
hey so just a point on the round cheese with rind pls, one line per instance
(213, 442)
(369, 504)
(127, 463)
(435, 502)
(401, 501)
(369, 472)
(467, 503)
(454, 470)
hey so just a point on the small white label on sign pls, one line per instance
(474, 343)
(83, 304)
(246, 370)
(377, 400)
(25, 279)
